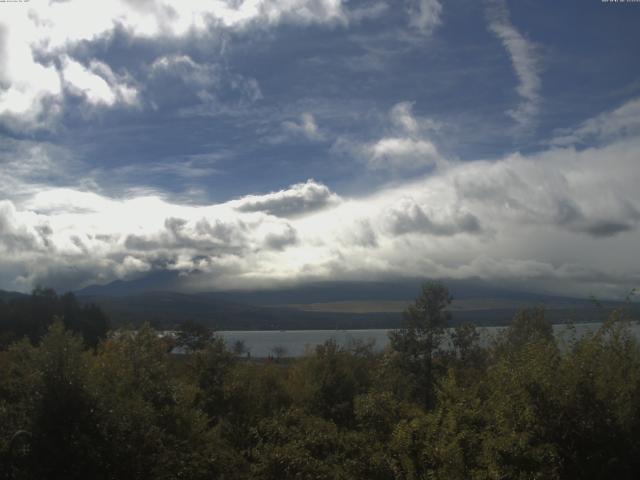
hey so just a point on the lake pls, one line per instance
(296, 342)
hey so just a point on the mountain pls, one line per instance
(158, 298)
(315, 292)
(164, 280)
(6, 296)
(169, 309)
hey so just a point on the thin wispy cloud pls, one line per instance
(425, 15)
(306, 127)
(525, 61)
(623, 121)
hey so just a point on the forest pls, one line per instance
(78, 400)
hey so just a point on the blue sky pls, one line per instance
(262, 141)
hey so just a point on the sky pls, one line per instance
(260, 143)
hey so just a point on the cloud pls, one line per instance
(524, 220)
(202, 236)
(623, 217)
(186, 69)
(524, 59)
(405, 146)
(424, 15)
(105, 89)
(27, 87)
(39, 41)
(405, 121)
(282, 239)
(371, 10)
(402, 153)
(298, 199)
(529, 220)
(177, 82)
(556, 188)
(17, 235)
(406, 216)
(623, 121)
(362, 234)
(402, 117)
(307, 127)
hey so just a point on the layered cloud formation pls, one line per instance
(531, 219)
(325, 184)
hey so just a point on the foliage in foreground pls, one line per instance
(526, 406)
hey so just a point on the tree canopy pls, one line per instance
(437, 403)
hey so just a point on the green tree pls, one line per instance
(66, 440)
(295, 445)
(528, 326)
(31, 316)
(419, 340)
(210, 368)
(193, 336)
(150, 419)
(327, 382)
(239, 347)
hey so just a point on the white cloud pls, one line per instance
(25, 84)
(298, 199)
(620, 122)
(183, 66)
(402, 116)
(95, 88)
(406, 145)
(406, 217)
(37, 33)
(178, 81)
(306, 127)
(371, 10)
(424, 15)
(21, 230)
(524, 59)
(402, 153)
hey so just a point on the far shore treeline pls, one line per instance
(81, 401)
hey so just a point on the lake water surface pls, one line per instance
(296, 342)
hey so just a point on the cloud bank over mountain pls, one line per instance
(514, 219)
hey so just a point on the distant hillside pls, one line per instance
(322, 305)
(8, 296)
(168, 309)
(318, 292)
(167, 281)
